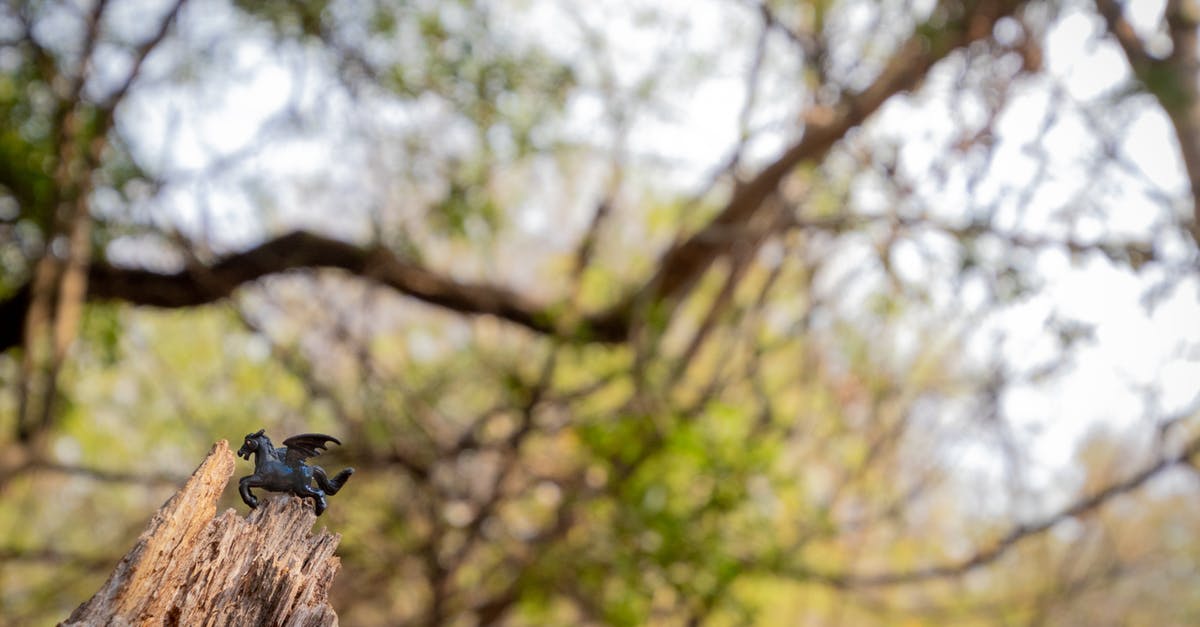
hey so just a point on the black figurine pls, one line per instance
(283, 469)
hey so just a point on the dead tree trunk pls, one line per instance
(190, 568)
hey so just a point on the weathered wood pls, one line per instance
(190, 568)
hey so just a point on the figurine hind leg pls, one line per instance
(317, 496)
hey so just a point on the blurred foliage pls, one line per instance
(811, 415)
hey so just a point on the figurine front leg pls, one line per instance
(244, 489)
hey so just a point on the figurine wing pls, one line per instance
(301, 447)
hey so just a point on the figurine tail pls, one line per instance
(331, 486)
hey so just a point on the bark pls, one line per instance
(188, 567)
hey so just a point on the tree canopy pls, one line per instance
(713, 312)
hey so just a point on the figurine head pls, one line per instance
(251, 444)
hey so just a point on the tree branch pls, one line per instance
(1171, 80)
(110, 476)
(678, 269)
(1014, 536)
(296, 251)
(687, 260)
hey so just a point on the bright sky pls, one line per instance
(1135, 348)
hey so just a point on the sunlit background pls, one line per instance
(773, 312)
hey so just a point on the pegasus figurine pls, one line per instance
(283, 469)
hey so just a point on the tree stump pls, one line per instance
(189, 568)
